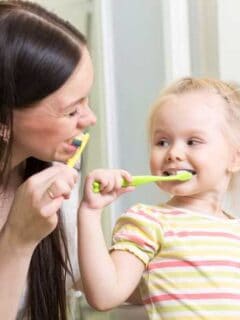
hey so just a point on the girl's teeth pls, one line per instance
(172, 173)
(168, 173)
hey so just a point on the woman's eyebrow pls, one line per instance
(71, 104)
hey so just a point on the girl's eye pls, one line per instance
(162, 143)
(192, 142)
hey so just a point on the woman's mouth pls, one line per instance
(76, 141)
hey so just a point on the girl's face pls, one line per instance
(187, 134)
(46, 130)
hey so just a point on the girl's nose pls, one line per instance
(176, 153)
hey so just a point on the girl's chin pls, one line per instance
(178, 191)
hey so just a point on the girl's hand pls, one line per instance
(110, 188)
(33, 214)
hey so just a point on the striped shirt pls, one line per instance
(192, 261)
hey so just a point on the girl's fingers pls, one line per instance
(111, 180)
(126, 175)
(118, 182)
(125, 190)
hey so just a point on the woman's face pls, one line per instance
(47, 129)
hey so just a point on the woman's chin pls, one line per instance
(62, 157)
(63, 153)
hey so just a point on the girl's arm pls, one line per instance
(108, 279)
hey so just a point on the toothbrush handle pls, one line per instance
(97, 186)
(139, 180)
(136, 181)
(72, 161)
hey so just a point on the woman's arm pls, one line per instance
(14, 265)
(33, 215)
(108, 279)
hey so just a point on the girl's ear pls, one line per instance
(235, 165)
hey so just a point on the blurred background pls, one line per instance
(138, 47)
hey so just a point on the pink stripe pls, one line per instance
(175, 213)
(177, 263)
(148, 216)
(191, 296)
(136, 239)
(201, 233)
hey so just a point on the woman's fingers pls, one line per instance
(34, 211)
(52, 206)
(56, 182)
(59, 188)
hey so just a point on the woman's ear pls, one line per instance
(4, 132)
(235, 164)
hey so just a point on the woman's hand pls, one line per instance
(33, 214)
(110, 188)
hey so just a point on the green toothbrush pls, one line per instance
(139, 180)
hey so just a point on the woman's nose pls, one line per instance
(92, 118)
(89, 119)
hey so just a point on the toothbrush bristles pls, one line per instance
(184, 175)
(82, 143)
(76, 142)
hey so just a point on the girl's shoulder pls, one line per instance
(160, 210)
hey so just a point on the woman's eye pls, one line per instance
(72, 113)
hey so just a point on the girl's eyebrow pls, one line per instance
(191, 132)
(158, 131)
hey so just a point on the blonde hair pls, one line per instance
(230, 94)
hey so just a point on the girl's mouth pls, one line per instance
(172, 172)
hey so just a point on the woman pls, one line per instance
(45, 78)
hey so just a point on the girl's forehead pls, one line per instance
(191, 103)
(190, 111)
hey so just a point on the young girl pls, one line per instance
(186, 252)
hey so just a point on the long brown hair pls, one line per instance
(38, 53)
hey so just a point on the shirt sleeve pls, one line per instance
(140, 232)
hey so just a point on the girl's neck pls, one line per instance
(208, 206)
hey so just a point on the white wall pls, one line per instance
(145, 46)
(139, 46)
(229, 44)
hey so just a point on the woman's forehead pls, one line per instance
(77, 86)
